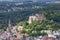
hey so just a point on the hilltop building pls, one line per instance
(36, 17)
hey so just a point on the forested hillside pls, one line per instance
(51, 11)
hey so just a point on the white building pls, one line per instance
(20, 28)
(56, 32)
(32, 18)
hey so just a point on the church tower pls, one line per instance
(9, 26)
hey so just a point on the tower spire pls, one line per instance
(9, 26)
(9, 23)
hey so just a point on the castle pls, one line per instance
(36, 17)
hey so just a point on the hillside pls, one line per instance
(51, 11)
